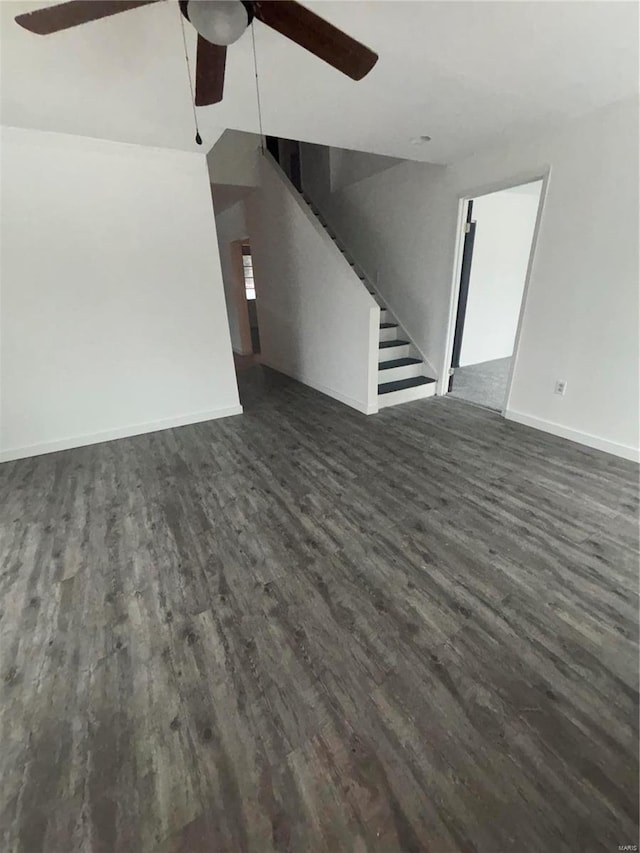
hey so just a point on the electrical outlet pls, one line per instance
(561, 387)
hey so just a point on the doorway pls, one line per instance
(241, 295)
(497, 242)
(250, 296)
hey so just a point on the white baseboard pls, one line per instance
(622, 450)
(336, 395)
(121, 432)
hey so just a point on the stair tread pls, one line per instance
(385, 344)
(388, 325)
(401, 384)
(398, 362)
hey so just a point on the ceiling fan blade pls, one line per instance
(210, 65)
(316, 35)
(63, 16)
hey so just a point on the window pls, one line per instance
(247, 269)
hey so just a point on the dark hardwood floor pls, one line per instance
(305, 630)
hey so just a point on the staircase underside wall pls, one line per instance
(316, 320)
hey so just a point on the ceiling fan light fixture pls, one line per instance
(218, 21)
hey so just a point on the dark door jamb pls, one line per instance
(465, 275)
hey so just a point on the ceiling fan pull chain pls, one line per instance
(193, 105)
(255, 68)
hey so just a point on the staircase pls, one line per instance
(402, 374)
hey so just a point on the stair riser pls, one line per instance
(386, 316)
(391, 374)
(389, 353)
(388, 334)
(406, 395)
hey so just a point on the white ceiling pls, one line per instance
(468, 74)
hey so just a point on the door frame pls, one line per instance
(542, 174)
(463, 290)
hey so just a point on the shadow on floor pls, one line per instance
(259, 384)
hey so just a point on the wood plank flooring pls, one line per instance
(305, 630)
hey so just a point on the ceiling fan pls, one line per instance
(219, 23)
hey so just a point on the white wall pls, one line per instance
(317, 322)
(505, 223)
(230, 226)
(348, 167)
(113, 320)
(581, 312)
(234, 159)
